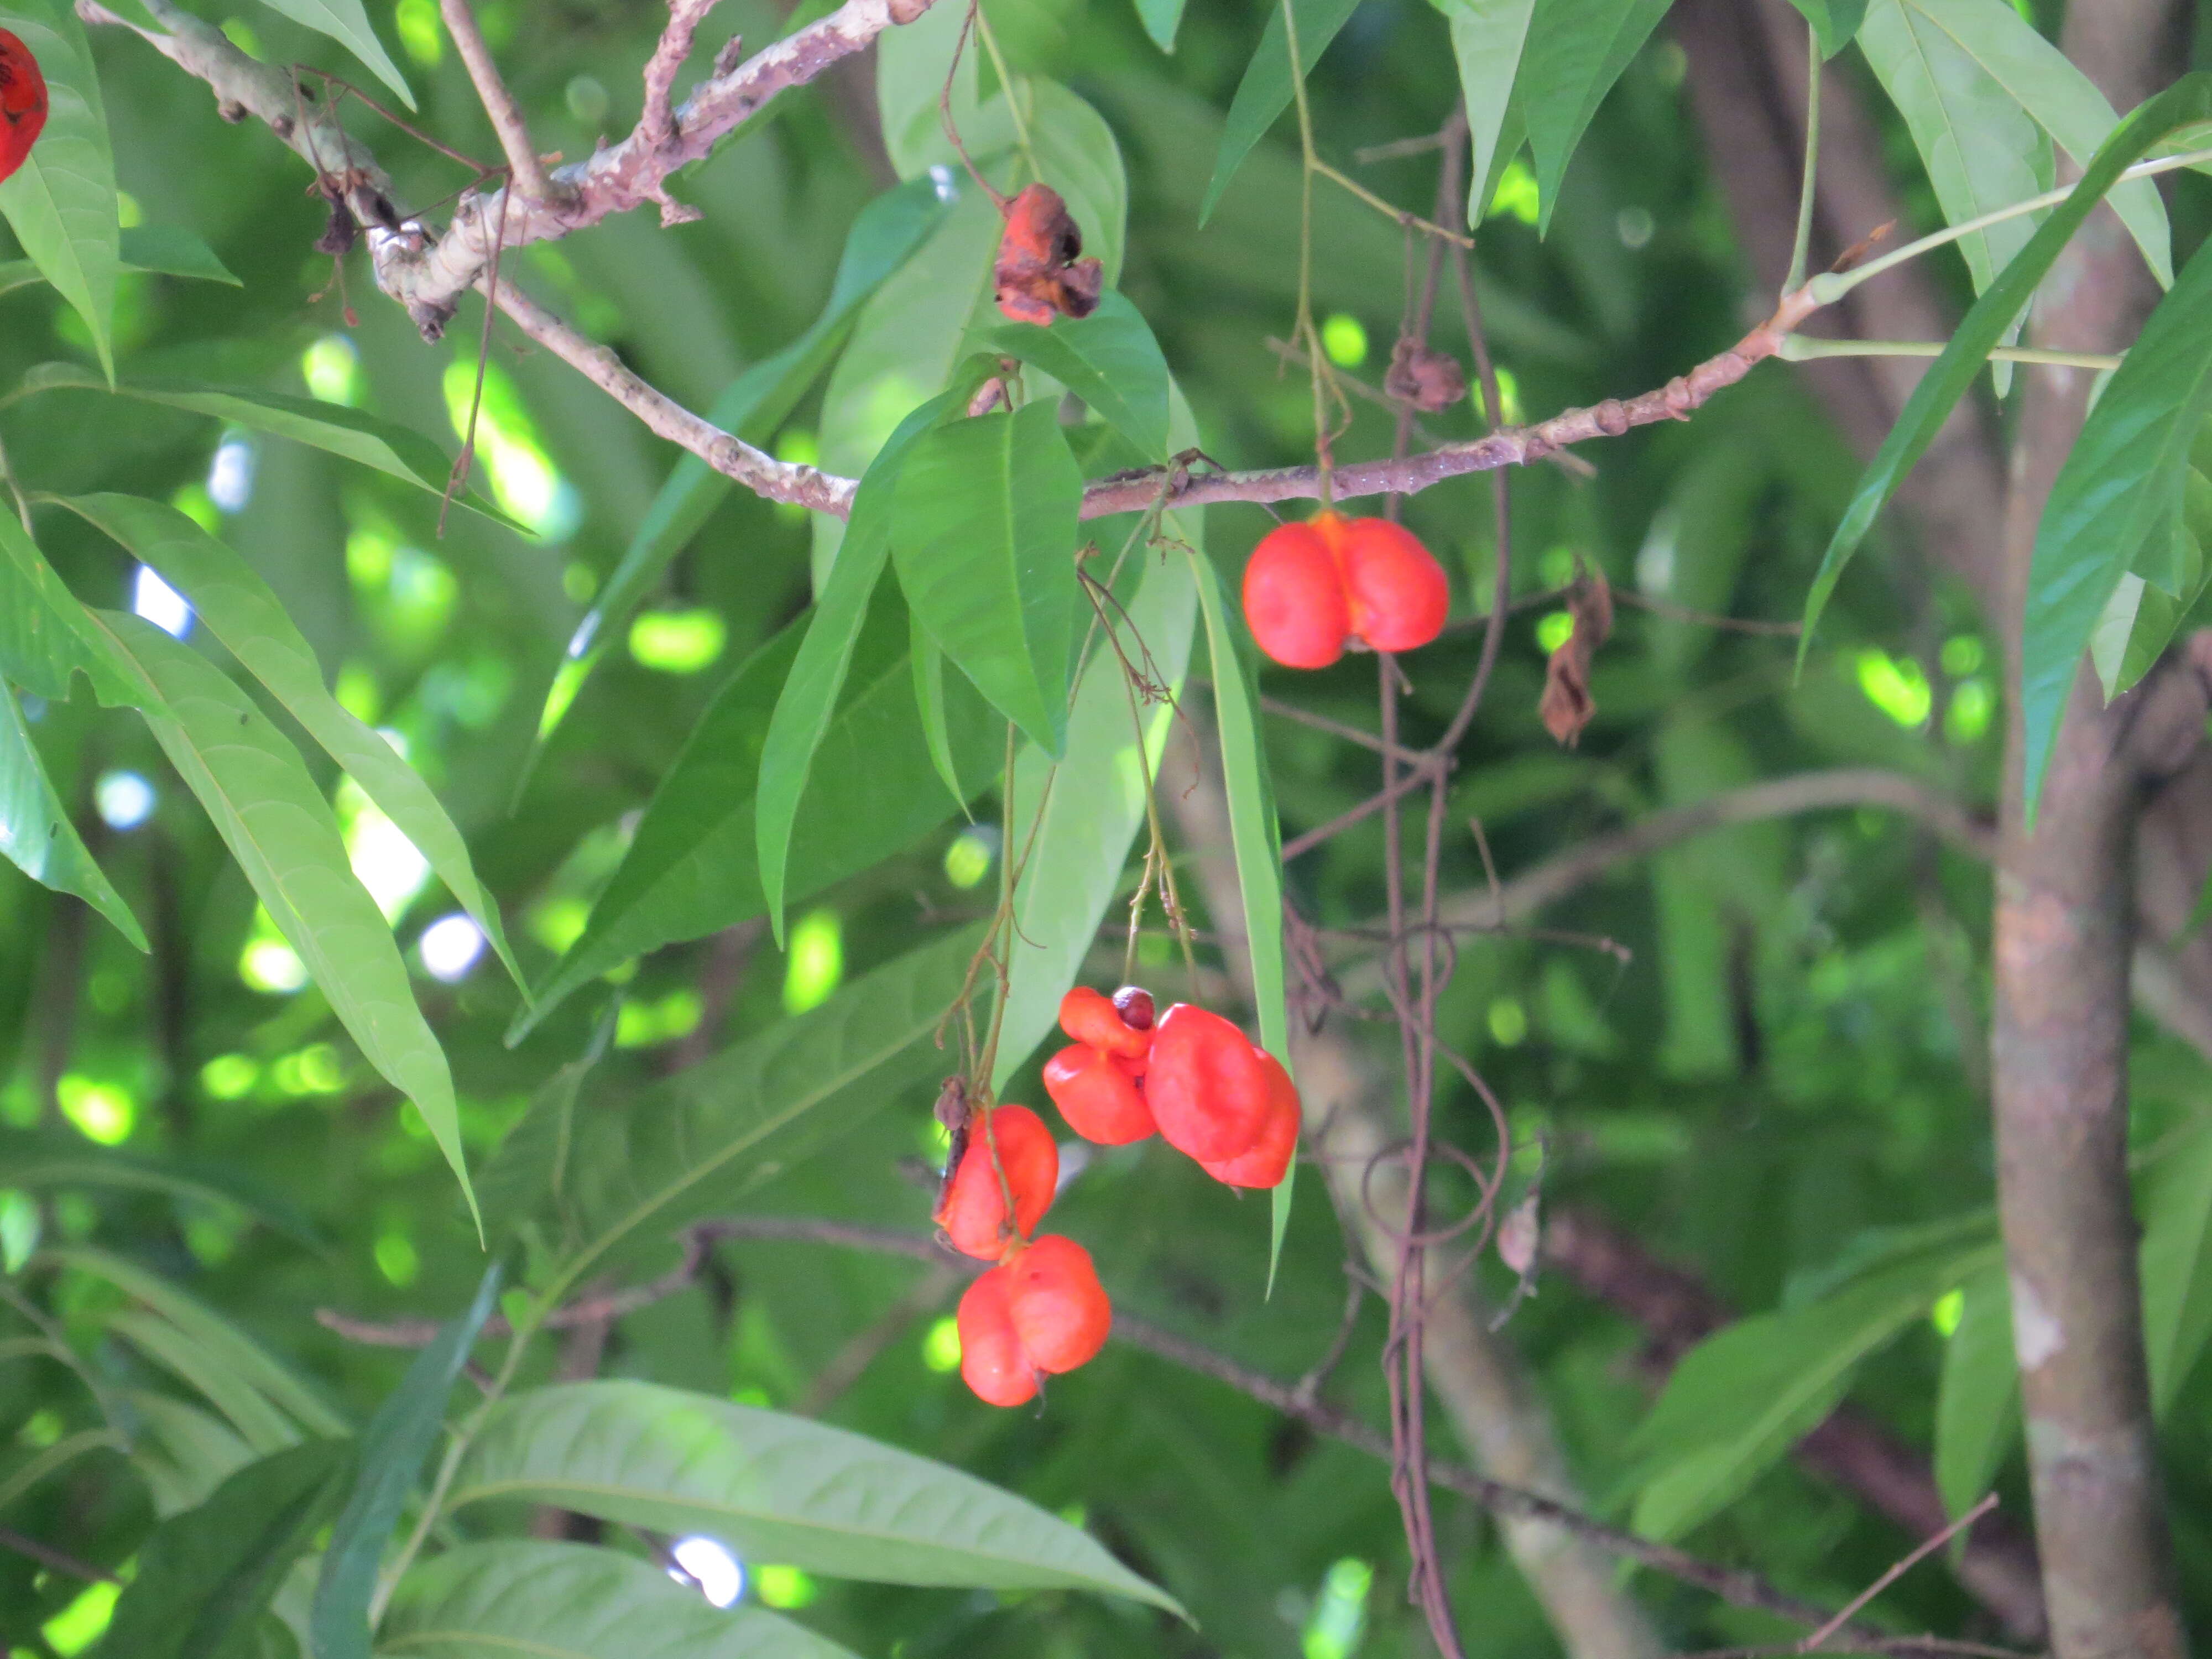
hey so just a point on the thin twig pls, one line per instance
(1926, 1547)
(47, 1555)
(522, 161)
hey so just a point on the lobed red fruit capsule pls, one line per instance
(1089, 1017)
(22, 102)
(1312, 588)
(1294, 598)
(991, 1359)
(1269, 1159)
(1098, 1095)
(1396, 589)
(1206, 1085)
(1059, 1310)
(973, 1209)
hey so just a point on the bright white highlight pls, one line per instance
(384, 860)
(230, 476)
(450, 947)
(124, 800)
(720, 1576)
(160, 604)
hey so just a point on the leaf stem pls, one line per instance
(1006, 90)
(1803, 248)
(1799, 348)
(1310, 163)
(1396, 215)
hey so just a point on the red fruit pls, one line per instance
(1059, 1310)
(1206, 1087)
(1396, 590)
(1134, 1003)
(1089, 1017)
(1294, 599)
(1098, 1095)
(1270, 1160)
(991, 1359)
(22, 102)
(973, 1210)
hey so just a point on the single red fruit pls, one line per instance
(1097, 1095)
(1089, 1016)
(991, 1359)
(1037, 275)
(1059, 1310)
(1270, 1160)
(22, 102)
(973, 1210)
(1206, 1088)
(1294, 599)
(1396, 589)
(1134, 1003)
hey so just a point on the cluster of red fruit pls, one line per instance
(1313, 588)
(22, 102)
(1191, 1075)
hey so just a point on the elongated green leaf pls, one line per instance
(1488, 38)
(1834, 21)
(1966, 73)
(392, 1448)
(258, 1423)
(46, 635)
(242, 611)
(492, 1601)
(397, 451)
(2117, 503)
(693, 867)
(1742, 1398)
(1256, 835)
(533, 1164)
(36, 1159)
(61, 201)
(1161, 19)
(172, 251)
(1576, 50)
(206, 1576)
(345, 22)
(884, 236)
(929, 696)
(1109, 359)
(915, 66)
(1977, 1403)
(185, 1453)
(1266, 90)
(1087, 809)
(239, 1354)
(778, 1488)
(697, 1144)
(2188, 100)
(985, 545)
(285, 838)
(808, 698)
(36, 834)
(2177, 1264)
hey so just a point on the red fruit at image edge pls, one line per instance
(1269, 1161)
(1294, 598)
(1396, 590)
(973, 1210)
(992, 1361)
(22, 102)
(1206, 1085)
(1097, 1095)
(1091, 1017)
(1059, 1310)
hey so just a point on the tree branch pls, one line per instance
(523, 165)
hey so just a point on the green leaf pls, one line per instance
(1977, 1403)
(1266, 90)
(1975, 80)
(345, 22)
(392, 1448)
(1256, 835)
(985, 546)
(884, 236)
(1161, 19)
(2116, 504)
(37, 1158)
(532, 1166)
(1834, 21)
(1741, 1398)
(36, 834)
(808, 698)
(172, 251)
(930, 697)
(2142, 617)
(492, 1601)
(206, 1576)
(2189, 99)
(694, 867)
(237, 1353)
(61, 201)
(397, 451)
(1109, 359)
(185, 1453)
(1488, 38)
(2176, 1205)
(45, 634)
(914, 65)
(776, 1488)
(1576, 50)
(262, 1427)
(1089, 813)
(699, 1143)
(285, 838)
(242, 610)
